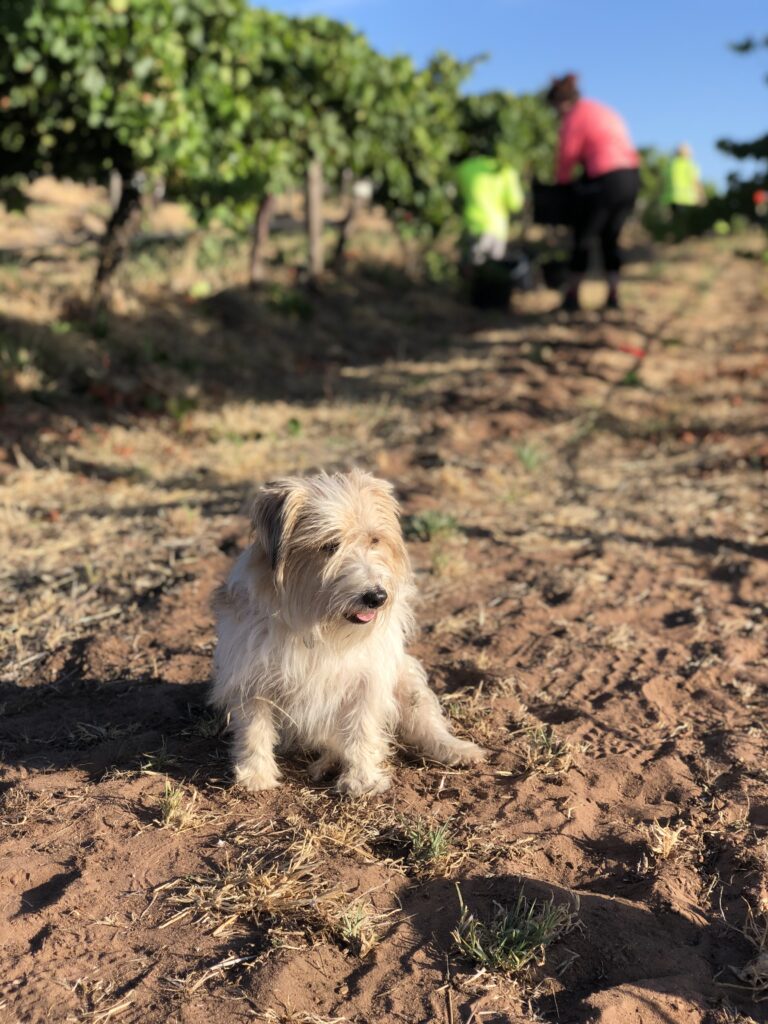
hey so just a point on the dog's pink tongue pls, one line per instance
(365, 616)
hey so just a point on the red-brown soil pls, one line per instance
(589, 533)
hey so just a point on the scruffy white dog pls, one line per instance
(312, 624)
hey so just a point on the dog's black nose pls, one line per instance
(374, 598)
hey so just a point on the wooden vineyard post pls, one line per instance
(122, 228)
(115, 189)
(261, 225)
(315, 219)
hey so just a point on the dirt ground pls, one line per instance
(585, 503)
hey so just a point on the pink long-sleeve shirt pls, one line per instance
(596, 137)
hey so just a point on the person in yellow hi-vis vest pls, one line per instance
(490, 192)
(682, 189)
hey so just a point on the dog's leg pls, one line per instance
(323, 765)
(363, 752)
(255, 740)
(422, 725)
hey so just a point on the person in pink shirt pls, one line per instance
(595, 139)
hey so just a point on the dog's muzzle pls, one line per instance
(371, 600)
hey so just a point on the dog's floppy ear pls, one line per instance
(273, 518)
(380, 490)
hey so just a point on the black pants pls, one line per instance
(601, 206)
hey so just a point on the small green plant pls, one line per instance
(514, 938)
(291, 302)
(214, 250)
(156, 762)
(429, 525)
(543, 752)
(439, 268)
(293, 426)
(355, 928)
(428, 842)
(529, 455)
(100, 328)
(631, 380)
(178, 406)
(205, 724)
(739, 223)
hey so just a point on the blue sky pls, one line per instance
(664, 64)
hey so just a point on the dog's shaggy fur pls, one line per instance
(312, 625)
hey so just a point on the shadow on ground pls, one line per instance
(283, 342)
(641, 964)
(112, 726)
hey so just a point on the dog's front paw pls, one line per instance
(354, 782)
(462, 752)
(256, 779)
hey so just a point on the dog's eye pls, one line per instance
(330, 548)
(374, 541)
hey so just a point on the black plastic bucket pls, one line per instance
(555, 273)
(493, 282)
(553, 204)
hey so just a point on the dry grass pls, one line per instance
(178, 810)
(207, 724)
(429, 849)
(70, 559)
(157, 762)
(359, 832)
(346, 831)
(543, 753)
(665, 841)
(88, 734)
(469, 708)
(72, 565)
(729, 1016)
(283, 891)
(96, 995)
(755, 974)
(291, 1017)
(15, 804)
